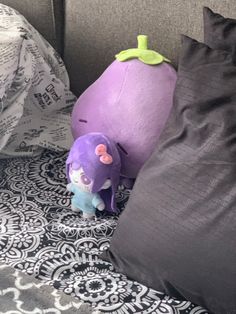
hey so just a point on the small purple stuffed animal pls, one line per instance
(93, 172)
(130, 103)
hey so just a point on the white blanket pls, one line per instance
(35, 100)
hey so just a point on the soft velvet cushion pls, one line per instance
(219, 32)
(178, 231)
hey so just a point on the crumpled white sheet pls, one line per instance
(35, 100)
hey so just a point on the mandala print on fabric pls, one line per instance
(41, 236)
(42, 178)
(16, 293)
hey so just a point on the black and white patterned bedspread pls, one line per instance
(41, 236)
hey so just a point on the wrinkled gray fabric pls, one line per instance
(220, 32)
(177, 233)
(20, 293)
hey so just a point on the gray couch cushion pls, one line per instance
(97, 29)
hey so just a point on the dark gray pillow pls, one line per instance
(178, 232)
(219, 32)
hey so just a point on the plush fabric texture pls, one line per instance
(129, 103)
(178, 231)
(219, 32)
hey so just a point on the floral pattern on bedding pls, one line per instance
(41, 236)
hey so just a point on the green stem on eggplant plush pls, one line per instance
(129, 103)
(142, 53)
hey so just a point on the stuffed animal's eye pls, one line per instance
(85, 180)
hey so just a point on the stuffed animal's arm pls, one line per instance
(69, 187)
(101, 206)
(98, 202)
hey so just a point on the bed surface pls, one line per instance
(44, 238)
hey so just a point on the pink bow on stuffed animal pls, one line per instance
(105, 158)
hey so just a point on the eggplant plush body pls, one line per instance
(130, 103)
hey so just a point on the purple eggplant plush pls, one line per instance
(130, 103)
